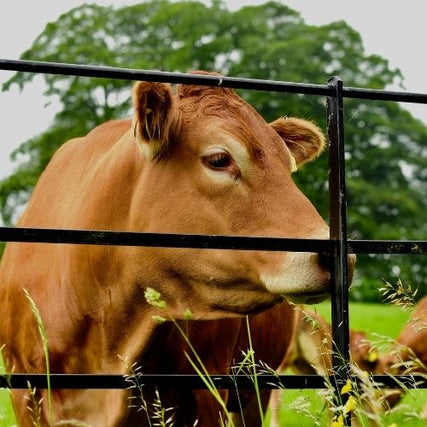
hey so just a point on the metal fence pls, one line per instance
(338, 245)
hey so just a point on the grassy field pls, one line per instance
(378, 321)
(7, 417)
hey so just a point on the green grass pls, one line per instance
(374, 319)
(383, 319)
(413, 400)
(7, 417)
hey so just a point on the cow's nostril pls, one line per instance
(326, 260)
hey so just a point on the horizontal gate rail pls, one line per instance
(170, 240)
(184, 78)
(161, 76)
(103, 381)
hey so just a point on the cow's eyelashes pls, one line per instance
(220, 160)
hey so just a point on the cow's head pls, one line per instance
(216, 167)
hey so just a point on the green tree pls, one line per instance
(385, 144)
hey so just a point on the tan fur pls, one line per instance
(301, 136)
(154, 176)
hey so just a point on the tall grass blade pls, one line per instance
(45, 344)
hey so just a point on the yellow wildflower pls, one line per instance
(339, 422)
(347, 387)
(350, 405)
(373, 356)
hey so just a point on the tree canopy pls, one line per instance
(384, 143)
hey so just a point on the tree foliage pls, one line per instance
(385, 144)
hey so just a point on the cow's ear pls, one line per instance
(152, 118)
(303, 138)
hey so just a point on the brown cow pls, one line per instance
(199, 160)
(310, 353)
(311, 350)
(409, 354)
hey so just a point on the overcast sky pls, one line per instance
(395, 30)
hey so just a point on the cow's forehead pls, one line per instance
(224, 111)
(210, 101)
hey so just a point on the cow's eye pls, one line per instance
(220, 160)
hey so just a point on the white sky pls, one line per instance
(395, 30)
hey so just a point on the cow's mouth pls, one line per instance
(307, 297)
(247, 308)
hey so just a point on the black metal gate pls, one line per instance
(338, 245)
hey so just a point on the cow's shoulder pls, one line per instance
(72, 172)
(77, 157)
(109, 131)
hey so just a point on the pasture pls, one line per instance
(380, 322)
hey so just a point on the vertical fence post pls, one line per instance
(338, 233)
